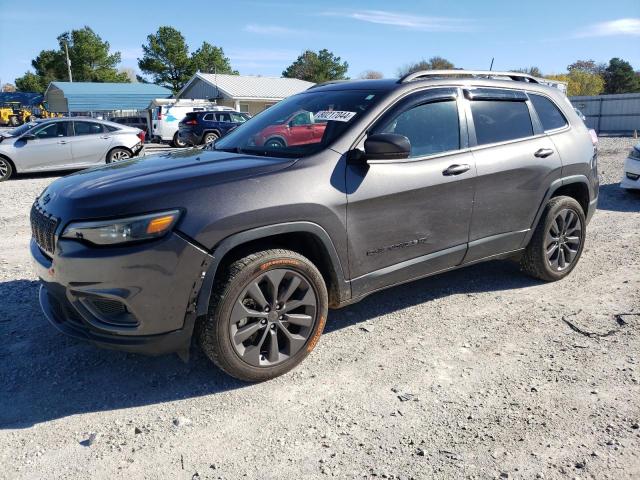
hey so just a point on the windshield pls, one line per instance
(299, 125)
(16, 132)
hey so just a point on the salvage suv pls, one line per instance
(246, 246)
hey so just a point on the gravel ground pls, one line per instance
(478, 373)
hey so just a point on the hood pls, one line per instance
(146, 184)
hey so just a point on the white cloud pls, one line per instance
(270, 30)
(623, 26)
(408, 21)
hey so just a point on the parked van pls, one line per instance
(166, 113)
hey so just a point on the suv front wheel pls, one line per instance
(557, 243)
(267, 313)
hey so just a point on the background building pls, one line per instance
(102, 99)
(243, 93)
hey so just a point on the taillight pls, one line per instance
(141, 135)
(191, 122)
(159, 113)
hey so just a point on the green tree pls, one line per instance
(210, 59)
(619, 77)
(90, 58)
(434, 63)
(580, 82)
(589, 66)
(30, 82)
(319, 67)
(166, 58)
(91, 61)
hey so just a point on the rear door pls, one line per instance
(515, 162)
(90, 143)
(50, 149)
(300, 129)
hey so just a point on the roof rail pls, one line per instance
(518, 77)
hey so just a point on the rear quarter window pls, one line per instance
(549, 114)
(500, 121)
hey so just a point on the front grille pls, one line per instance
(43, 228)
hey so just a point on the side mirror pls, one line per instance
(28, 136)
(386, 146)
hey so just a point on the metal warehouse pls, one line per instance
(619, 113)
(92, 97)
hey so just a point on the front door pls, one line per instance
(90, 143)
(408, 218)
(50, 149)
(300, 129)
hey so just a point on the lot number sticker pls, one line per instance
(334, 115)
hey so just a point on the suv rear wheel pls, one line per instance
(267, 313)
(178, 142)
(557, 243)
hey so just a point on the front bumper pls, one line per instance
(631, 167)
(138, 298)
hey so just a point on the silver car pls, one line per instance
(66, 144)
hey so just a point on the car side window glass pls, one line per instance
(302, 118)
(499, 121)
(224, 117)
(111, 128)
(54, 130)
(550, 116)
(208, 117)
(87, 128)
(431, 127)
(236, 117)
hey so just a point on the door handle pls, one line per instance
(456, 169)
(62, 142)
(543, 153)
(105, 137)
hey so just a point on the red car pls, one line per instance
(298, 129)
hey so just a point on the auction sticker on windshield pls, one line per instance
(334, 115)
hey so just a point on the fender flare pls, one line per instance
(237, 239)
(555, 185)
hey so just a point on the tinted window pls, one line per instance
(498, 121)
(548, 113)
(223, 117)
(53, 130)
(236, 117)
(111, 128)
(208, 117)
(87, 128)
(431, 128)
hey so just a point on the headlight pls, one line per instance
(123, 230)
(635, 154)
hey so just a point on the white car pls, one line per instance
(66, 144)
(631, 174)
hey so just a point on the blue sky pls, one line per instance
(262, 38)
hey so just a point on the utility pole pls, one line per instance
(491, 66)
(66, 51)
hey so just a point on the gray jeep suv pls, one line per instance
(249, 242)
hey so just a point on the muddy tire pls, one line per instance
(266, 314)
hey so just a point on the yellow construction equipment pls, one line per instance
(12, 114)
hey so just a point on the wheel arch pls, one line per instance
(305, 238)
(277, 137)
(575, 186)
